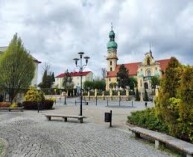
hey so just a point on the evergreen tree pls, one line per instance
(137, 97)
(123, 77)
(17, 68)
(47, 79)
(132, 83)
(168, 91)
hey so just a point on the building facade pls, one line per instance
(86, 76)
(36, 62)
(142, 71)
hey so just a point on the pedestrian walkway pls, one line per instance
(29, 134)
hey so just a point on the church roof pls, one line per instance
(73, 74)
(133, 67)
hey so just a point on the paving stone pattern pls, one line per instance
(29, 134)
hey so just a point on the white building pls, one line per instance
(36, 62)
(86, 76)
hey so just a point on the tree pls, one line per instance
(123, 77)
(154, 82)
(17, 68)
(47, 78)
(88, 85)
(137, 98)
(99, 84)
(67, 81)
(165, 103)
(132, 83)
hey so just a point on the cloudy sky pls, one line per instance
(54, 31)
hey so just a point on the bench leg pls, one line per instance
(136, 135)
(81, 120)
(157, 144)
(48, 118)
(65, 119)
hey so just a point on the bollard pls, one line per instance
(145, 104)
(119, 101)
(96, 100)
(64, 100)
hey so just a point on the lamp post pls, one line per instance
(81, 66)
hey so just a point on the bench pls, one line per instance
(163, 139)
(12, 108)
(65, 117)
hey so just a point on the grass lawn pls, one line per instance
(1, 147)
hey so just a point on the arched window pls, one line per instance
(146, 85)
(111, 69)
(110, 62)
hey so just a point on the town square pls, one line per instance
(88, 78)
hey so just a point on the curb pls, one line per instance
(5, 144)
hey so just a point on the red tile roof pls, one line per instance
(132, 68)
(73, 74)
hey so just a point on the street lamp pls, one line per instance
(81, 70)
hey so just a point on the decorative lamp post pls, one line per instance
(81, 70)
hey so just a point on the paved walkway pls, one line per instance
(29, 134)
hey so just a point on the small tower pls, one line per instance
(112, 51)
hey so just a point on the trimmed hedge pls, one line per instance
(147, 119)
(33, 105)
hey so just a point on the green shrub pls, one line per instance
(147, 119)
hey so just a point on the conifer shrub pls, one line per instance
(35, 99)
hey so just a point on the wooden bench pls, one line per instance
(65, 117)
(160, 138)
(12, 108)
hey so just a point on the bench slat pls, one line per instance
(80, 118)
(172, 141)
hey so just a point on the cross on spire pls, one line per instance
(111, 26)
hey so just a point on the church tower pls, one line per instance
(112, 52)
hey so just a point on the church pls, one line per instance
(141, 71)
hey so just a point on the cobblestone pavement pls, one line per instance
(29, 134)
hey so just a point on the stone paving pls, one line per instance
(29, 134)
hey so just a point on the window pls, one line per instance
(146, 85)
(111, 69)
(109, 79)
(110, 62)
(148, 72)
(148, 61)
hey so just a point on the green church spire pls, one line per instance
(111, 44)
